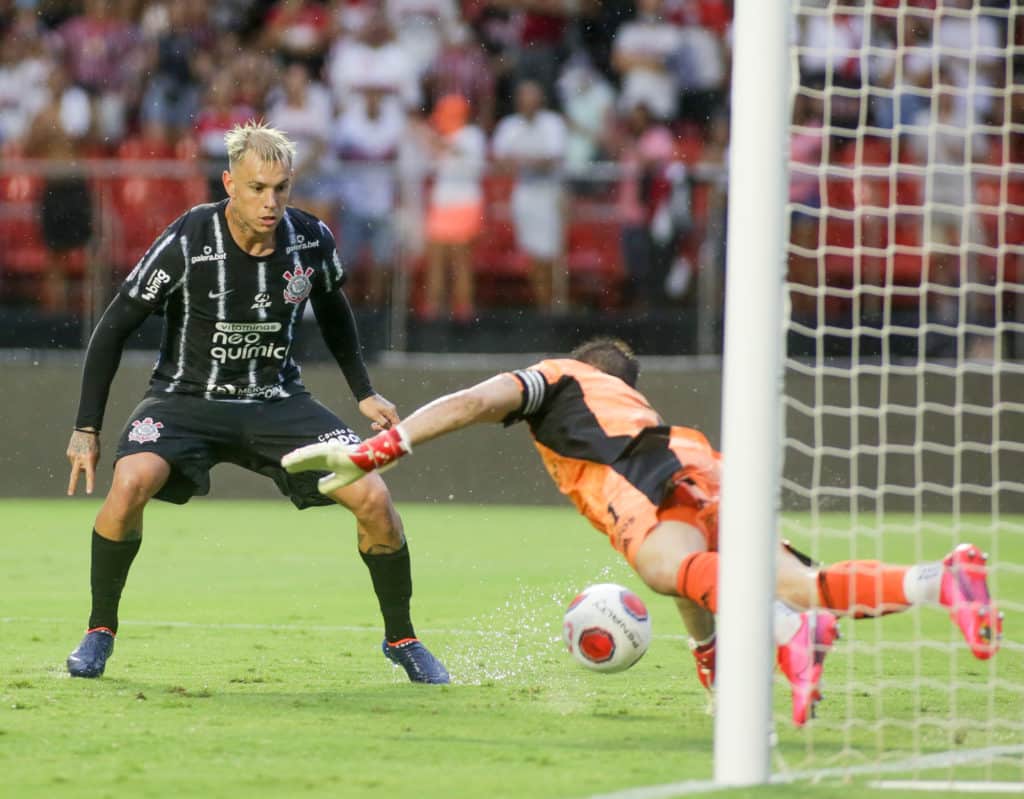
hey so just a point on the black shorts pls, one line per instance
(194, 434)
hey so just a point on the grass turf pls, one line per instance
(248, 664)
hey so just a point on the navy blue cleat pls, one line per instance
(416, 659)
(90, 658)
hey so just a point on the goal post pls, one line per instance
(751, 404)
(873, 385)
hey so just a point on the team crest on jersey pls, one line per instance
(299, 285)
(145, 430)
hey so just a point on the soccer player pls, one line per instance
(653, 490)
(231, 280)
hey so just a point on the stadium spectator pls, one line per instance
(950, 148)
(103, 53)
(299, 31)
(642, 54)
(588, 102)
(24, 73)
(462, 68)
(646, 150)
(532, 143)
(420, 27)
(699, 67)
(176, 66)
(971, 41)
(301, 108)
(65, 213)
(653, 489)
(541, 40)
(226, 388)
(806, 145)
(220, 112)
(372, 59)
(367, 136)
(831, 48)
(903, 68)
(456, 210)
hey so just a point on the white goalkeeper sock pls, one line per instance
(922, 582)
(786, 623)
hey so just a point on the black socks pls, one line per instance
(111, 561)
(392, 582)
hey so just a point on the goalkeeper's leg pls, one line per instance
(673, 559)
(868, 588)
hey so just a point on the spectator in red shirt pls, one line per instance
(299, 30)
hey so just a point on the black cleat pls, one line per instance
(90, 658)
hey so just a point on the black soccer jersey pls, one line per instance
(231, 317)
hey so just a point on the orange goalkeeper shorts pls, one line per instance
(693, 501)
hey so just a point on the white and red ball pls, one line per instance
(607, 627)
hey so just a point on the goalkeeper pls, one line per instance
(653, 490)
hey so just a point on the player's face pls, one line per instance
(259, 191)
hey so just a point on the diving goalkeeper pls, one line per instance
(653, 490)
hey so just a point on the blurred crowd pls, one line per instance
(575, 145)
(536, 91)
(907, 159)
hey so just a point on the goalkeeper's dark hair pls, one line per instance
(611, 355)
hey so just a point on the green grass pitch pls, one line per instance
(248, 665)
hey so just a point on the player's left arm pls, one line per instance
(338, 327)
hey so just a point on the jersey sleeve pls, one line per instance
(334, 274)
(537, 382)
(161, 269)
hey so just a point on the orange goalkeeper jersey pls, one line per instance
(610, 452)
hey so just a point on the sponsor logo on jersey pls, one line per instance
(248, 327)
(145, 430)
(302, 244)
(208, 255)
(156, 280)
(245, 392)
(243, 341)
(214, 295)
(299, 285)
(260, 301)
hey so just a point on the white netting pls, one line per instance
(905, 374)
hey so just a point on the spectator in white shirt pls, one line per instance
(302, 109)
(366, 140)
(532, 143)
(642, 54)
(372, 60)
(420, 27)
(456, 210)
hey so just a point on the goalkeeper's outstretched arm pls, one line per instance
(490, 401)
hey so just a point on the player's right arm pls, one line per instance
(143, 291)
(119, 321)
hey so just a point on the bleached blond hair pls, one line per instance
(270, 144)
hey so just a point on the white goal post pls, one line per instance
(873, 389)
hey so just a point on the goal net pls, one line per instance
(904, 378)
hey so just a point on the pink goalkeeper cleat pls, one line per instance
(964, 590)
(802, 660)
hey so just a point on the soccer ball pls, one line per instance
(607, 627)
